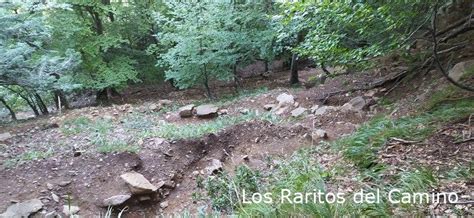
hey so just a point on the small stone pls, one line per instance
(64, 183)
(216, 165)
(55, 197)
(320, 111)
(70, 210)
(245, 157)
(144, 198)
(355, 104)
(319, 134)
(268, 107)
(223, 111)
(298, 112)
(164, 204)
(245, 111)
(49, 186)
(116, 200)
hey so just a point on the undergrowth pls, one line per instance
(302, 173)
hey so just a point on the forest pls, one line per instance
(132, 108)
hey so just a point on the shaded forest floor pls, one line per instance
(77, 157)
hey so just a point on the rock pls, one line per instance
(55, 197)
(370, 93)
(70, 210)
(165, 102)
(116, 200)
(356, 104)
(154, 107)
(216, 165)
(5, 136)
(314, 108)
(320, 111)
(245, 111)
(64, 183)
(164, 204)
(460, 69)
(206, 111)
(50, 186)
(319, 134)
(298, 112)
(137, 183)
(268, 107)
(186, 111)
(280, 110)
(285, 99)
(144, 198)
(24, 209)
(223, 111)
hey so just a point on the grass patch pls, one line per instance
(28, 156)
(176, 131)
(361, 147)
(83, 124)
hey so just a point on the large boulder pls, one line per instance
(24, 209)
(206, 111)
(461, 69)
(186, 111)
(137, 183)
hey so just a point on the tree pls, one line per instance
(206, 41)
(28, 67)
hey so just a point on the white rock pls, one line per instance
(70, 210)
(24, 209)
(320, 111)
(206, 110)
(298, 112)
(116, 200)
(137, 183)
(285, 99)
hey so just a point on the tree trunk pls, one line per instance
(42, 106)
(237, 84)
(266, 65)
(326, 71)
(294, 62)
(59, 96)
(12, 113)
(294, 69)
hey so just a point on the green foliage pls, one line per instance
(341, 33)
(207, 40)
(225, 191)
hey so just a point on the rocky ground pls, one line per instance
(143, 155)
